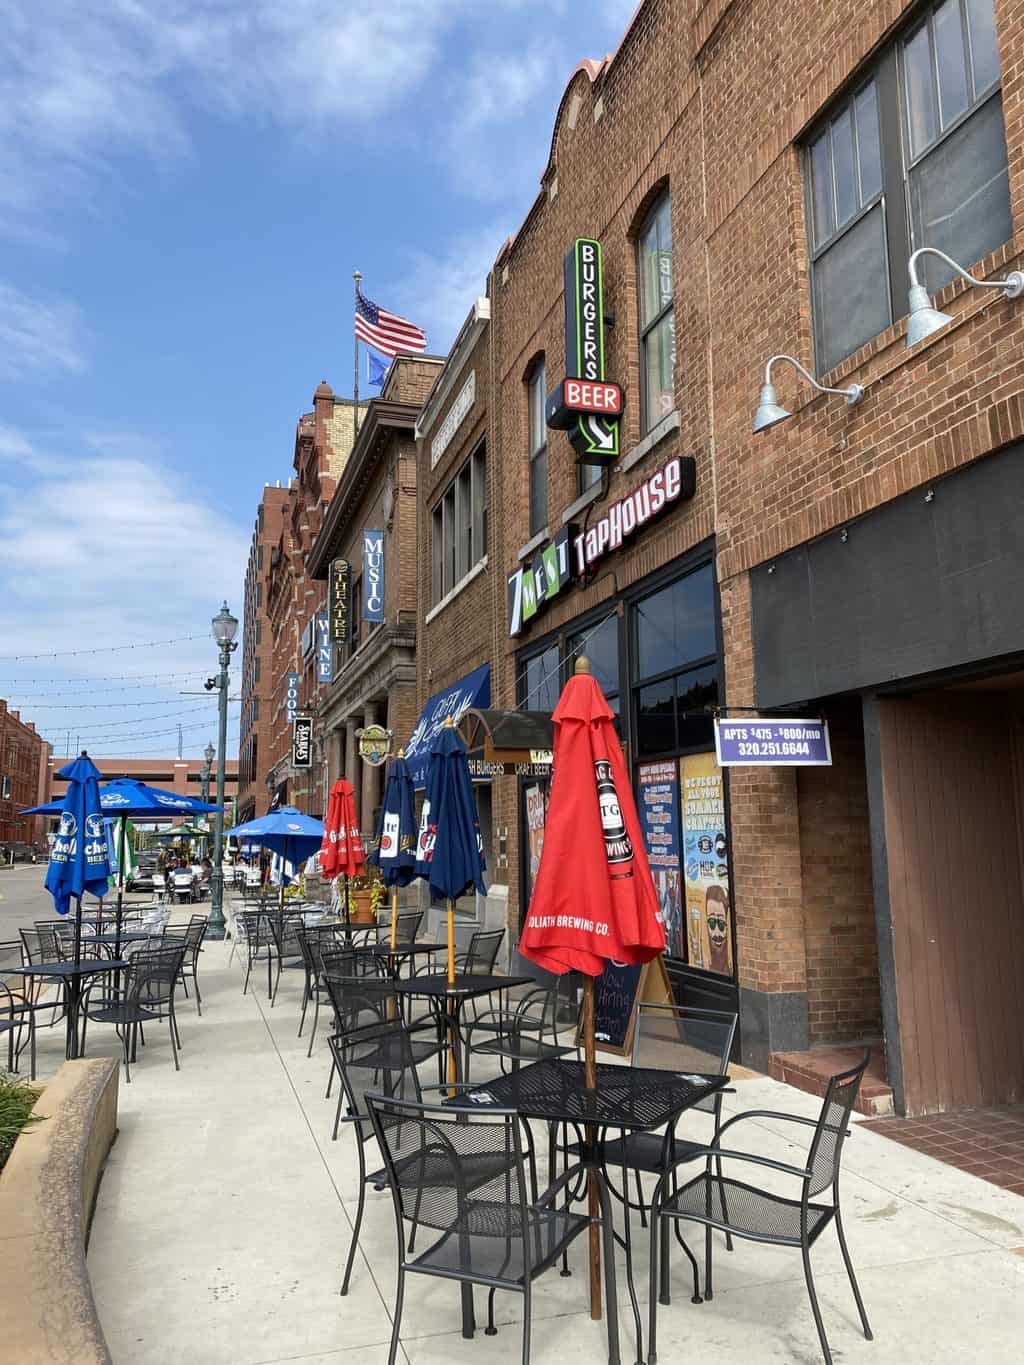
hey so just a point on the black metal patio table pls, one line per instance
(448, 998)
(627, 1098)
(71, 975)
(400, 953)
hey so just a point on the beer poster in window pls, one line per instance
(705, 864)
(659, 818)
(536, 797)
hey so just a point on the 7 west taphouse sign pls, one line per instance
(574, 552)
(772, 742)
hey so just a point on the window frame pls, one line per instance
(646, 329)
(537, 440)
(450, 560)
(897, 162)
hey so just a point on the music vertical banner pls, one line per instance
(373, 575)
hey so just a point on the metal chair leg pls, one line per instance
(527, 1315)
(490, 1330)
(355, 1229)
(822, 1338)
(399, 1300)
(853, 1279)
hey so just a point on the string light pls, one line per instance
(101, 649)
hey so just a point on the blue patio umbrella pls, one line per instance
(287, 832)
(396, 842)
(124, 796)
(450, 852)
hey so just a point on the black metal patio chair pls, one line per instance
(482, 953)
(760, 1215)
(516, 1033)
(18, 1008)
(192, 935)
(380, 1057)
(260, 943)
(148, 996)
(363, 1001)
(491, 1229)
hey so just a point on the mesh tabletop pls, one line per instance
(66, 970)
(465, 984)
(384, 949)
(125, 936)
(626, 1096)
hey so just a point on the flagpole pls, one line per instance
(355, 356)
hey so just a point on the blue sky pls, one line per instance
(185, 189)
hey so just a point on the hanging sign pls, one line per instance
(373, 575)
(532, 587)
(291, 696)
(302, 742)
(781, 742)
(374, 744)
(337, 601)
(324, 649)
(585, 405)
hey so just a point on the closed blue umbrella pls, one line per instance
(78, 858)
(450, 852)
(396, 843)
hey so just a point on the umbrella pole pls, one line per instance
(120, 890)
(348, 910)
(394, 917)
(450, 1002)
(75, 987)
(593, 1198)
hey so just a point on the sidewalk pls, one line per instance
(225, 1213)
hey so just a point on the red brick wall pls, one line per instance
(838, 903)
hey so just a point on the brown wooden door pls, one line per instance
(953, 784)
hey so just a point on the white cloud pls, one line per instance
(37, 333)
(440, 287)
(106, 547)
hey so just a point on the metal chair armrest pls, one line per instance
(802, 1172)
(770, 1114)
(552, 1190)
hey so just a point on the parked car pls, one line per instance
(20, 853)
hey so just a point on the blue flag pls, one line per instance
(78, 859)
(377, 368)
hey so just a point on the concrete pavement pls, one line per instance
(225, 1213)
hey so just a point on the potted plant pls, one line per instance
(365, 894)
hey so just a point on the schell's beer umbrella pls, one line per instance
(594, 899)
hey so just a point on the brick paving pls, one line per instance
(985, 1142)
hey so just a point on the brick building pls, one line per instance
(455, 641)
(757, 177)
(257, 655)
(183, 775)
(370, 678)
(24, 778)
(294, 599)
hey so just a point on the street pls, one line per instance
(23, 898)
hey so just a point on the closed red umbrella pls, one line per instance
(341, 853)
(594, 899)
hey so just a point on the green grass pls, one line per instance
(16, 1101)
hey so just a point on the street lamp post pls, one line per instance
(206, 771)
(225, 627)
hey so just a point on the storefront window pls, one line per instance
(600, 644)
(676, 625)
(541, 685)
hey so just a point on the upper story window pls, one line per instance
(459, 526)
(536, 388)
(915, 155)
(657, 316)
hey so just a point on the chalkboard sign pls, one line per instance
(617, 991)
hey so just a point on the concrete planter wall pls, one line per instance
(47, 1192)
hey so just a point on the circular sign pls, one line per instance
(374, 744)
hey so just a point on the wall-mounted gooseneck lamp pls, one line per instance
(924, 319)
(769, 410)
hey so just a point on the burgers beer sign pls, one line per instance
(584, 404)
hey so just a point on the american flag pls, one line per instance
(386, 332)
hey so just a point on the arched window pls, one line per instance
(657, 315)
(536, 390)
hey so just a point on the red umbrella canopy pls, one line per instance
(594, 898)
(342, 848)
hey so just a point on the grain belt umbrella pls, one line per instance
(341, 853)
